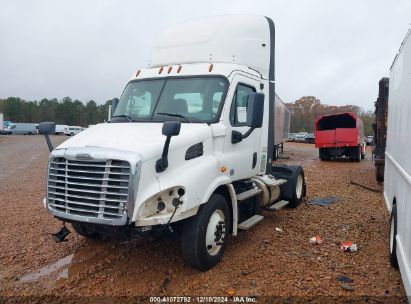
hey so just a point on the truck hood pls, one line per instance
(144, 139)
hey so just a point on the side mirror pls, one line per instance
(47, 128)
(255, 110)
(171, 128)
(114, 104)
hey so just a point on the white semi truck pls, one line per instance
(189, 147)
(397, 173)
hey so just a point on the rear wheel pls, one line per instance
(205, 235)
(298, 187)
(355, 154)
(324, 154)
(393, 233)
(84, 231)
(379, 173)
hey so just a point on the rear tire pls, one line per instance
(298, 187)
(355, 154)
(393, 233)
(84, 231)
(324, 154)
(362, 152)
(379, 173)
(205, 235)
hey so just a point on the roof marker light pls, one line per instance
(138, 73)
(179, 68)
(161, 70)
(210, 67)
(169, 69)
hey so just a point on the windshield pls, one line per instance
(196, 99)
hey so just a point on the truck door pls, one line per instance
(243, 158)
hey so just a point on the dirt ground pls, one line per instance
(260, 262)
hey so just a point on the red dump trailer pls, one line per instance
(340, 135)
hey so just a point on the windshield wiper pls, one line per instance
(125, 116)
(176, 115)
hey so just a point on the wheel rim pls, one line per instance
(392, 236)
(299, 186)
(215, 232)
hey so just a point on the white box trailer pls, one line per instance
(397, 176)
(1, 122)
(281, 125)
(189, 146)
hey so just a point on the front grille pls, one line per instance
(89, 189)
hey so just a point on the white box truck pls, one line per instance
(22, 128)
(60, 129)
(397, 176)
(189, 146)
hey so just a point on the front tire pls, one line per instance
(393, 233)
(205, 235)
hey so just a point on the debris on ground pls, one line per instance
(231, 292)
(344, 279)
(347, 287)
(164, 285)
(365, 187)
(322, 201)
(316, 240)
(349, 247)
(278, 229)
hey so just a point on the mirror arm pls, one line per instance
(162, 163)
(49, 144)
(236, 136)
(248, 132)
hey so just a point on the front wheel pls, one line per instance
(205, 235)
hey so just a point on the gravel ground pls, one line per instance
(259, 262)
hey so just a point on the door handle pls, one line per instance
(254, 159)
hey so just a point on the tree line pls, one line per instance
(65, 111)
(305, 110)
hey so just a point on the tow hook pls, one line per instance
(61, 235)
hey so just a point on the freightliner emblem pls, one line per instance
(84, 156)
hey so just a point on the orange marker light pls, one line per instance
(210, 67)
(138, 73)
(169, 70)
(223, 169)
(161, 70)
(179, 69)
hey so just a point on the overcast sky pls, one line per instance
(334, 50)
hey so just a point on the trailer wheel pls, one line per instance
(393, 233)
(355, 154)
(324, 155)
(205, 235)
(82, 230)
(379, 173)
